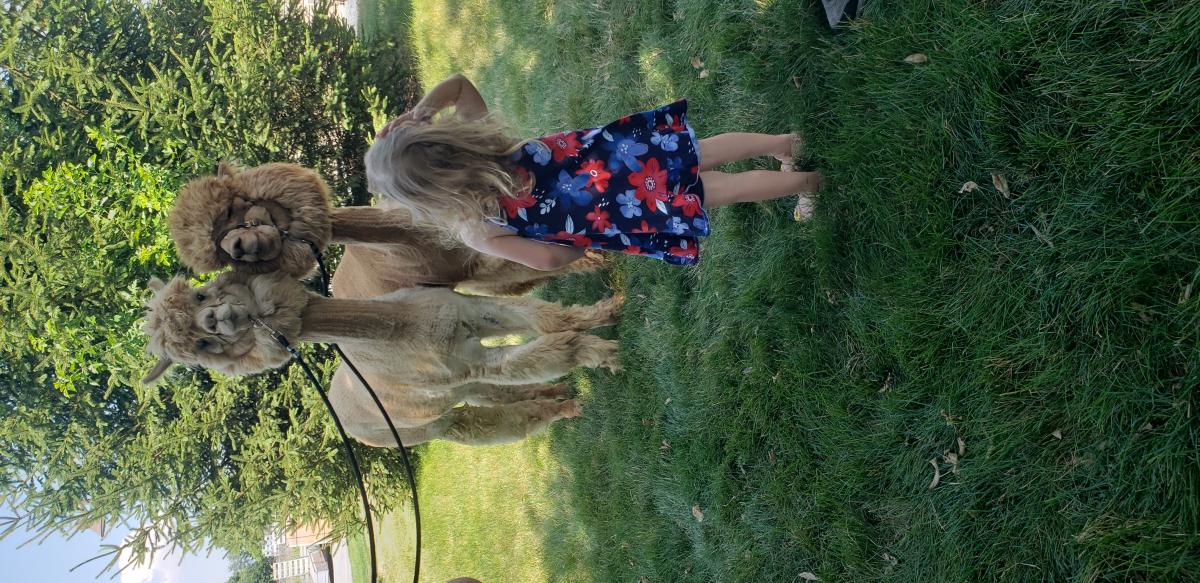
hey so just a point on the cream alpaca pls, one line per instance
(420, 348)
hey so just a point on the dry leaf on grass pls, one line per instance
(643, 579)
(916, 59)
(664, 445)
(697, 514)
(771, 456)
(668, 401)
(968, 186)
(962, 447)
(796, 81)
(891, 561)
(809, 576)
(1057, 434)
(1001, 184)
(937, 474)
(704, 73)
(697, 63)
(952, 459)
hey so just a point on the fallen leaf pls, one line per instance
(952, 459)
(968, 186)
(664, 445)
(697, 63)
(643, 579)
(648, 421)
(1187, 292)
(1057, 434)
(809, 576)
(1001, 184)
(668, 401)
(1146, 427)
(937, 474)
(891, 561)
(796, 82)
(771, 456)
(887, 384)
(696, 513)
(962, 447)
(704, 73)
(916, 59)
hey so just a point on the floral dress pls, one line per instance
(631, 186)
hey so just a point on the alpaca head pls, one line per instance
(214, 325)
(255, 219)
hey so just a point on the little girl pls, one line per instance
(637, 185)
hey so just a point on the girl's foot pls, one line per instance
(804, 200)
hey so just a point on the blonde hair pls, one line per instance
(445, 171)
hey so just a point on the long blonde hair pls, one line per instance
(445, 171)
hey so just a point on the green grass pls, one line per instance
(795, 385)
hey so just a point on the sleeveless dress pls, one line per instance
(631, 186)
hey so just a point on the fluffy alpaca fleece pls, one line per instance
(207, 208)
(420, 348)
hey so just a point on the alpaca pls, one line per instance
(421, 348)
(261, 219)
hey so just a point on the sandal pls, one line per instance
(804, 202)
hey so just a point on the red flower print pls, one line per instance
(684, 251)
(513, 205)
(597, 175)
(599, 219)
(578, 240)
(563, 145)
(689, 202)
(651, 184)
(646, 228)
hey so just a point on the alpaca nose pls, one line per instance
(237, 249)
(208, 320)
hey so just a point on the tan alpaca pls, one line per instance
(419, 347)
(240, 218)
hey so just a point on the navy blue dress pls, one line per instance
(631, 186)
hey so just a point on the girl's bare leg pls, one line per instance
(731, 147)
(721, 188)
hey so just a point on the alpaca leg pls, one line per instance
(500, 424)
(547, 358)
(487, 395)
(495, 317)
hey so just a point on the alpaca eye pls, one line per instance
(203, 344)
(200, 296)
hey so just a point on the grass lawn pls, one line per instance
(1034, 343)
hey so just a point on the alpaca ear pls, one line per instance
(155, 283)
(160, 367)
(226, 168)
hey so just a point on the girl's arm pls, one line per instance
(495, 240)
(455, 90)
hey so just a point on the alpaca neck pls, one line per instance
(328, 320)
(368, 224)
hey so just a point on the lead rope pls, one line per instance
(362, 489)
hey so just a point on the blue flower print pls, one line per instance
(625, 151)
(539, 151)
(676, 226)
(572, 189)
(701, 225)
(536, 230)
(612, 231)
(630, 205)
(668, 142)
(674, 167)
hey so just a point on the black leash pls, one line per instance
(362, 488)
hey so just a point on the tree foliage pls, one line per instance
(108, 107)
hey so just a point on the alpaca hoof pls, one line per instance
(570, 409)
(610, 308)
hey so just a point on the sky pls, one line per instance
(51, 561)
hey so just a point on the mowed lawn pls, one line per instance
(999, 289)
